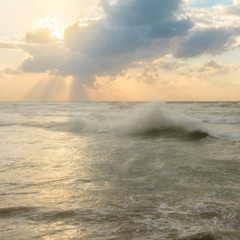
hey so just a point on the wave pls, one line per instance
(4, 124)
(212, 236)
(201, 236)
(153, 119)
(145, 119)
(13, 211)
(148, 119)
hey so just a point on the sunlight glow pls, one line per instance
(50, 23)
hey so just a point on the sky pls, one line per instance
(120, 50)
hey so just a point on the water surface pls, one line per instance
(120, 170)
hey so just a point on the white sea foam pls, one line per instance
(152, 118)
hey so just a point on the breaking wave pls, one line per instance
(148, 119)
(152, 119)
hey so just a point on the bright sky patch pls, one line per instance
(210, 3)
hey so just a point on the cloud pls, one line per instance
(134, 13)
(10, 45)
(11, 71)
(173, 66)
(214, 68)
(130, 31)
(128, 25)
(42, 35)
(44, 31)
(44, 57)
(211, 65)
(211, 41)
(233, 9)
(107, 46)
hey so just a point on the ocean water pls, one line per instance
(119, 170)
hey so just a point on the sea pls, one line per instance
(120, 170)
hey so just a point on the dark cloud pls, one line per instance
(128, 26)
(132, 13)
(211, 41)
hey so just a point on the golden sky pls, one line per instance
(135, 50)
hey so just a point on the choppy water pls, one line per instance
(86, 170)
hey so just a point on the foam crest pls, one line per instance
(153, 119)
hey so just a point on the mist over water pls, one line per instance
(120, 170)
